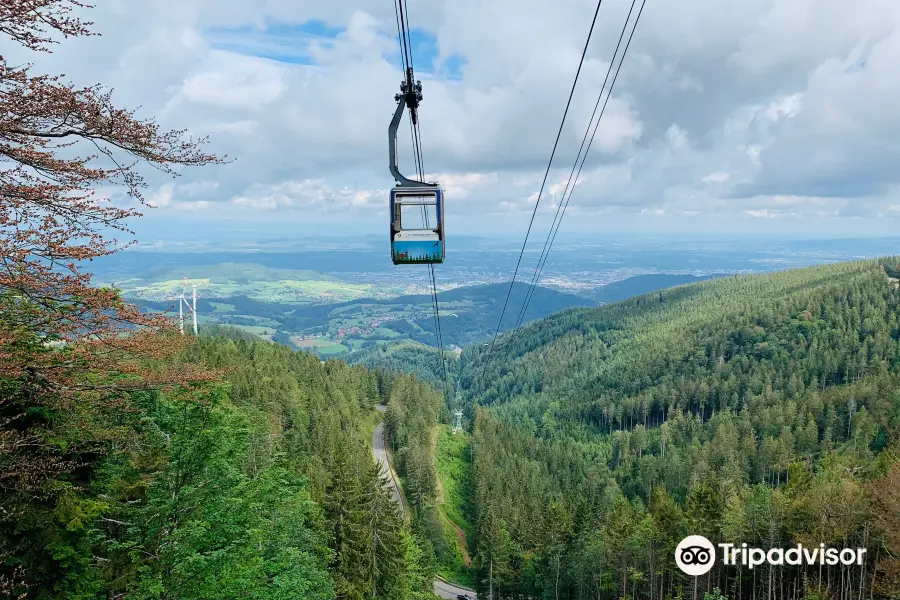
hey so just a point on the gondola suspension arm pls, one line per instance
(410, 95)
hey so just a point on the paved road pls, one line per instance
(441, 588)
(381, 456)
(450, 591)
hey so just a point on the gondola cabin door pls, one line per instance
(417, 225)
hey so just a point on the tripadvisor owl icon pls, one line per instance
(695, 555)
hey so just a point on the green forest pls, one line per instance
(760, 409)
(421, 361)
(754, 409)
(261, 485)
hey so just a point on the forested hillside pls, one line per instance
(479, 307)
(640, 284)
(756, 409)
(405, 357)
(261, 486)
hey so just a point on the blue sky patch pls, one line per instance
(290, 44)
(278, 41)
(424, 50)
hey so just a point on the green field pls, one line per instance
(222, 307)
(389, 333)
(269, 291)
(321, 346)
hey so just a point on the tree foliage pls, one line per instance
(756, 409)
(261, 486)
(68, 350)
(136, 463)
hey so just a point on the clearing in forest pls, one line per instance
(454, 471)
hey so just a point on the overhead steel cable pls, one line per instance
(401, 39)
(403, 33)
(570, 185)
(404, 8)
(546, 175)
(420, 166)
(543, 261)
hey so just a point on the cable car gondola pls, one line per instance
(412, 241)
(417, 207)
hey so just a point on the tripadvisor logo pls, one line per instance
(696, 555)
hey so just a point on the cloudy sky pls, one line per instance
(746, 116)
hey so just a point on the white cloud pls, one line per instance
(200, 187)
(307, 194)
(461, 185)
(163, 197)
(247, 83)
(762, 214)
(718, 177)
(197, 205)
(767, 106)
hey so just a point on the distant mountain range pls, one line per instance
(469, 314)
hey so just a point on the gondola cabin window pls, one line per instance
(417, 225)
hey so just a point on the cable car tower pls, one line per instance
(457, 420)
(412, 243)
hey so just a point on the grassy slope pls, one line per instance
(370, 423)
(454, 475)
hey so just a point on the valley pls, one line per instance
(614, 401)
(602, 436)
(216, 385)
(741, 407)
(347, 298)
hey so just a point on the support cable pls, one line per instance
(570, 184)
(544, 182)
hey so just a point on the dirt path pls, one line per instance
(463, 547)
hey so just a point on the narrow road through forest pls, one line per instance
(443, 589)
(380, 453)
